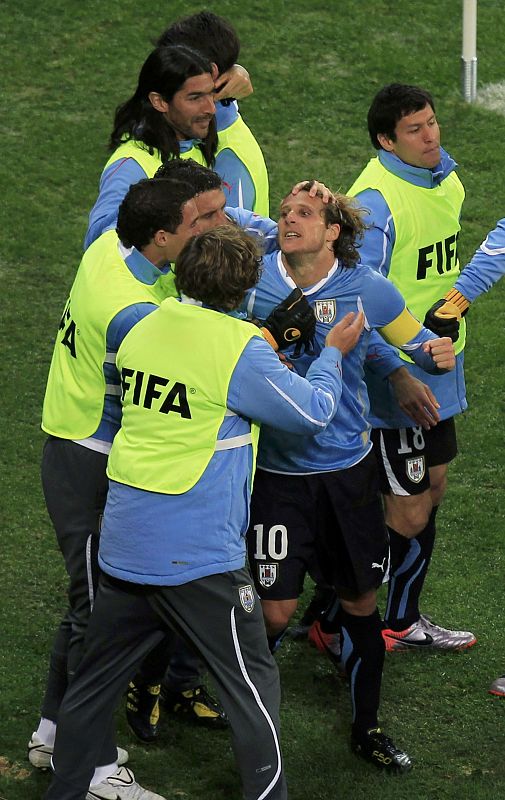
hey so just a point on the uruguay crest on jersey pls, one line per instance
(325, 310)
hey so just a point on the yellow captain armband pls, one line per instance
(402, 329)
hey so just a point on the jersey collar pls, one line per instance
(309, 289)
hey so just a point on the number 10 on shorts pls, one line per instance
(271, 546)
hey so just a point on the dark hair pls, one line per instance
(213, 36)
(151, 205)
(201, 178)
(165, 71)
(218, 267)
(391, 104)
(346, 212)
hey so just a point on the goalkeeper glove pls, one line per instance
(291, 322)
(444, 315)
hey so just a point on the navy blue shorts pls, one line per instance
(328, 524)
(405, 455)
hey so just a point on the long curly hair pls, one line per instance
(165, 71)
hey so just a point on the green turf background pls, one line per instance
(315, 66)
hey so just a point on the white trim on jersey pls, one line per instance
(289, 280)
(259, 702)
(233, 441)
(385, 246)
(297, 407)
(98, 445)
(491, 251)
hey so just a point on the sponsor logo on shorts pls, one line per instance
(376, 565)
(416, 469)
(267, 574)
(246, 594)
(325, 310)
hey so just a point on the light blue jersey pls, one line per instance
(486, 267)
(347, 439)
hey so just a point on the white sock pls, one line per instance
(46, 731)
(102, 773)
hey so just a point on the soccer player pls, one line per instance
(183, 460)
(319, 496)
(414, 197)
(182, 688)
(239, 159)
(173, 113)
(122, 277)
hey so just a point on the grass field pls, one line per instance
(315, 67)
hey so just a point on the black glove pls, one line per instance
(446, 321)
(292, 321)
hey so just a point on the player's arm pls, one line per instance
(262, 228)
(234, 83)
(415, 398)
(431, 353)
(379, 238)
(114, 184)
(480, 274)
(387, 312)
(238, 186)
(263, 389)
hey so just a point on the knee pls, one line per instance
(277, 614)
(438, 491)
(408, 520)
(361, 606)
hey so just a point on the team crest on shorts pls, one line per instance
(325, 310)
(267, 574)
(246, 594)
(416, 469)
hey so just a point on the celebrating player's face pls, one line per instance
(302, 227)
(417, 139)
(210, 207)
(192, 108)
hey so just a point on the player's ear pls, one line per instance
(333, 232)
(161, 238)
(158, 102)
(215, 71)
(385, 142)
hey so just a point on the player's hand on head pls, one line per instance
(290, 322)
(345, 334)
(443, 319)
(442, 352)
(415, 398)
(235, 83)
(327, 195)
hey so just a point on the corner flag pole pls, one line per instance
(469, 53)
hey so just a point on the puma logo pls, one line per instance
(375, 565)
